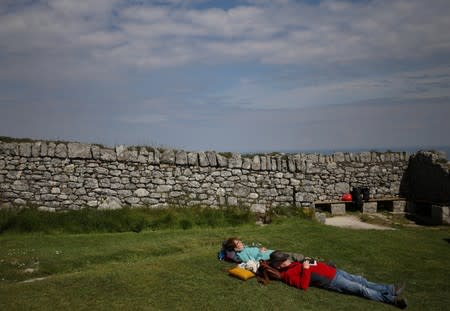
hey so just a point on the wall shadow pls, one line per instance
(426, 179)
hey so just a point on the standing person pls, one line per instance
(318, 274)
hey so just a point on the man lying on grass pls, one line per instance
(318, 274)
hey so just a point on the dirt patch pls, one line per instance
(353, 222)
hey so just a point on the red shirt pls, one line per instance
(318, 275)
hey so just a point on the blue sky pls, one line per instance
(244, 76)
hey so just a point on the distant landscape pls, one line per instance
(445, 149)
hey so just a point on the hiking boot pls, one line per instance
(399, 288)
(400, 302)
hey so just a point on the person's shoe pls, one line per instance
(400, 302)
(399, 288)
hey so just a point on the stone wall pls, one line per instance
(58, 176)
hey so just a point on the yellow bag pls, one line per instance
(241, 273)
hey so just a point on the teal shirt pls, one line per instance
(253, 253)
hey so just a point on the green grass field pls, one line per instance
(176, 269)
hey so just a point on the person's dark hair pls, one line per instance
(229, 244)
(277, 257)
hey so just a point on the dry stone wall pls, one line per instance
(59, 176)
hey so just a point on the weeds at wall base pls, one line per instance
(129, 219)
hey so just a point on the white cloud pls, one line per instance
(278, 33)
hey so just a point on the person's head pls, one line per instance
(279, 259)
(233, 244)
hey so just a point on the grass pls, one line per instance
(177, 269)
(121, 220)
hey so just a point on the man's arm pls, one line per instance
(296, 276)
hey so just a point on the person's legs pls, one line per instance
(352, 284)
(388, 288)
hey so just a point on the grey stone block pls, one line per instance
(203, 159)
(192, 158)
(181, 158)
(320, 217)
(212, 158)
(79, 151)
(338, 209)
(61, 151)
(369, 207)
(25, 149)
(221, 160)
(256, 163)
(235, 161)
(399, 206)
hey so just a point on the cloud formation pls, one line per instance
(199, 64)
(150, 35)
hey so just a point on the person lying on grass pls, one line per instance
(319, 274)
(239, 252)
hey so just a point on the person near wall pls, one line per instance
(237, 251)
(315, 273)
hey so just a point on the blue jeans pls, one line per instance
(357, 285)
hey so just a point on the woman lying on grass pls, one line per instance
(244, 253)
(239, 252)
(318, 274)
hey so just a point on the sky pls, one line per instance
(245, 76)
